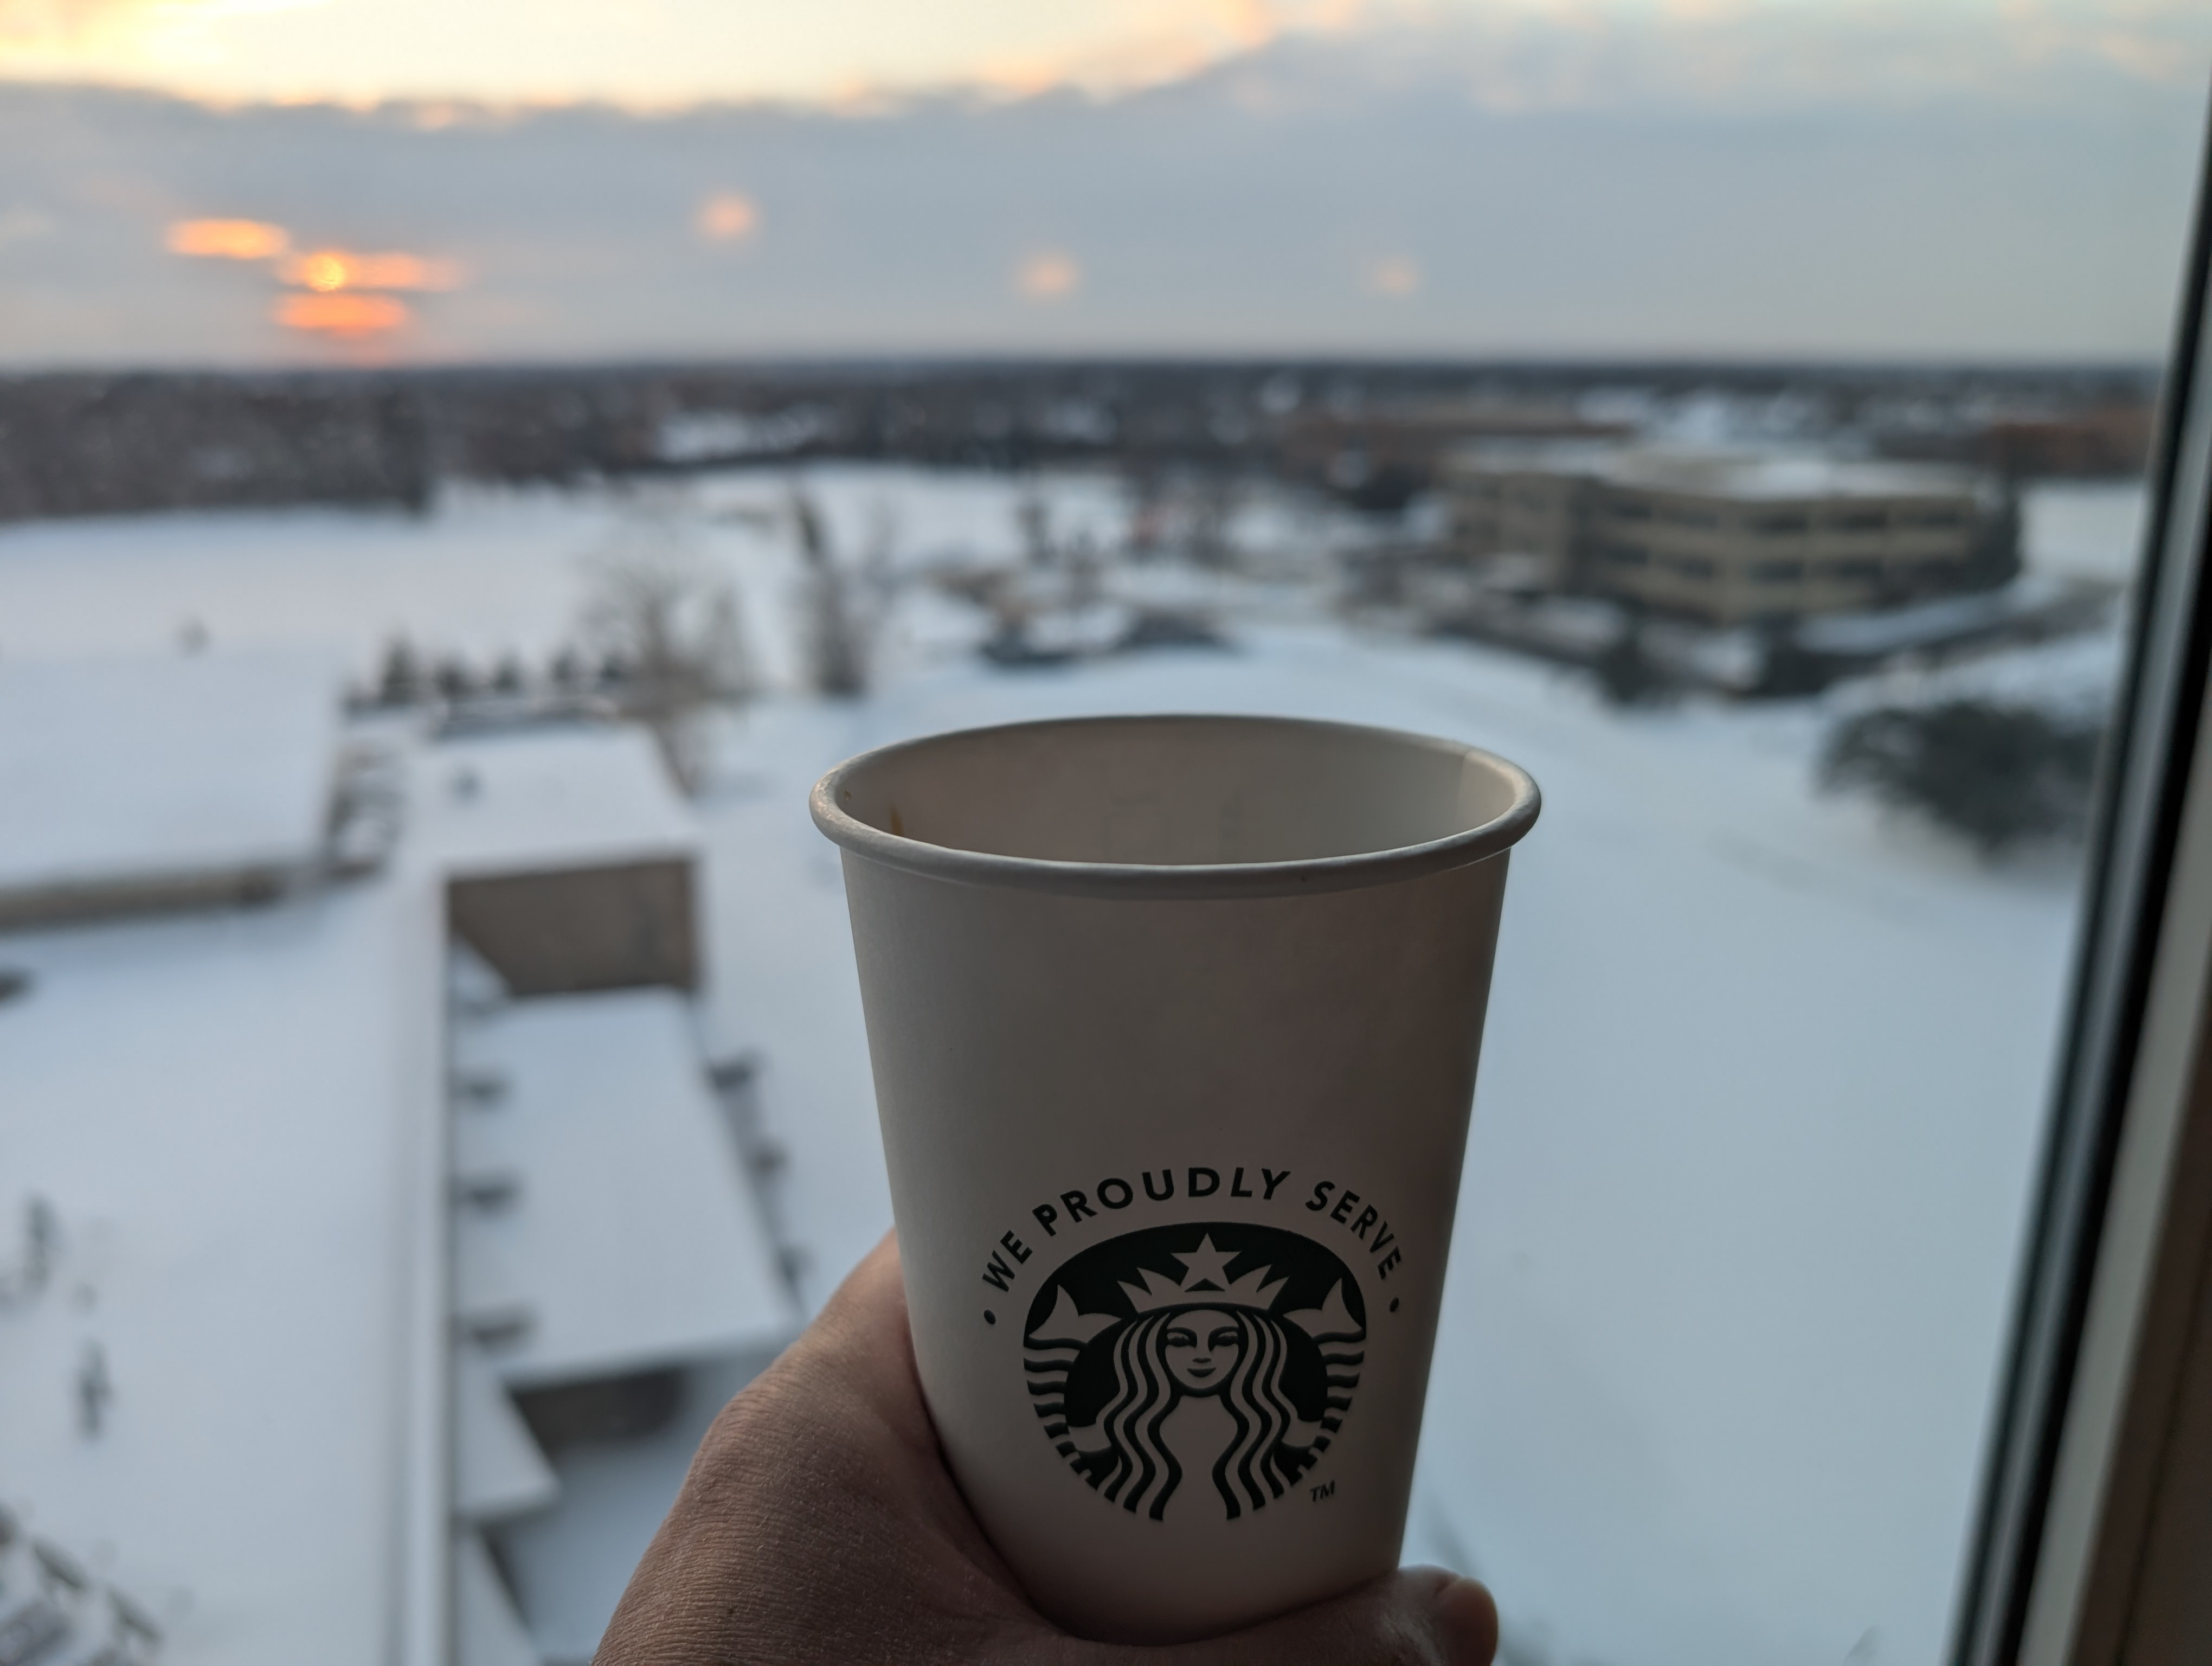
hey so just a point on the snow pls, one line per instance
(1754, 476)
(1762, 1088)
(626, 1237)
(560, 796)
(218, 1109)
(487, 1631)
(2091, 530)
(122, 769)
(499, 1470)
(571, 1564)
(1930, 623)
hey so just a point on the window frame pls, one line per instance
(2110, 1302)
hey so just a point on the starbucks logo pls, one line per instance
(1195, 1367)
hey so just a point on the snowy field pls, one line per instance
(1764, 1074)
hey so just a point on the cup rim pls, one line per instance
(1198, 880)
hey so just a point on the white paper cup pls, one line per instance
(1174, 1023)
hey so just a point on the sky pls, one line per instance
(677, 51)
(356, 181)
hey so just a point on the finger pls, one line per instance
(859, 1349)
(1415, 1617)
(817, 1523)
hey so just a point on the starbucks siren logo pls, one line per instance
(1217, 1351)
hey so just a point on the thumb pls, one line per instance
(1415, 1617)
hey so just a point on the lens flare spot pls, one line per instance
(346, 316)
(228, 239)
(1048, 275)
(1394, 275)
(726, 217)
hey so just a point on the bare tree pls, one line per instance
(1214, 499)
(838, 626)
(1033, 521)
(659, 609)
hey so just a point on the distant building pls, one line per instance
(1727, 538)
(173, 781)
(2104, 442)
(1379, 456)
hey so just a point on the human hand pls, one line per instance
(819, 1527)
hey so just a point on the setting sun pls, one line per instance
(327, 270)
(228, 239)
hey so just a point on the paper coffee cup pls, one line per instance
(1174, 1023)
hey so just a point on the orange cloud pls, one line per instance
(228, 239)
(1048, 275)
(328, 271)
(347, 316)
(726, 217)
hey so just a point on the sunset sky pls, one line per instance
(674, 51)
(273, 181)
(640, 51)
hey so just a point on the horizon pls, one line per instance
(1701, 369)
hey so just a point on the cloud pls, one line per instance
(865, 58)
(27, 25)
(43, 39)
(2043, 217)
(1724, 55)
(850, 52)
(1158, 41)
(24, 224)
(346, 317)
(228, 239)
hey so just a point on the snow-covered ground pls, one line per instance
(1763, 1074)
(2090, 529)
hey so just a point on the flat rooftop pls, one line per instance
(561, 796)
(618, 1233)
(117, 770)
(217, 1109)
(1779, 476)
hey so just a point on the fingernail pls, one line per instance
(1467, 1619)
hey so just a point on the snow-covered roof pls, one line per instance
(218, 1111)
(1785, 476)
(564, 796)
(499, 1469)
(616, 1230)
(124, 770)
(1777, 477)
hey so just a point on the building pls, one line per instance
(1727, 538)
(2103, 442)
(371, 1258)
(231, 791)
(1380, 455)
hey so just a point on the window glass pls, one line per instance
(470, 464)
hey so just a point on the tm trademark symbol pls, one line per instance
(1326, 1490)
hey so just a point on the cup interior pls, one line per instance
(1172, 792)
